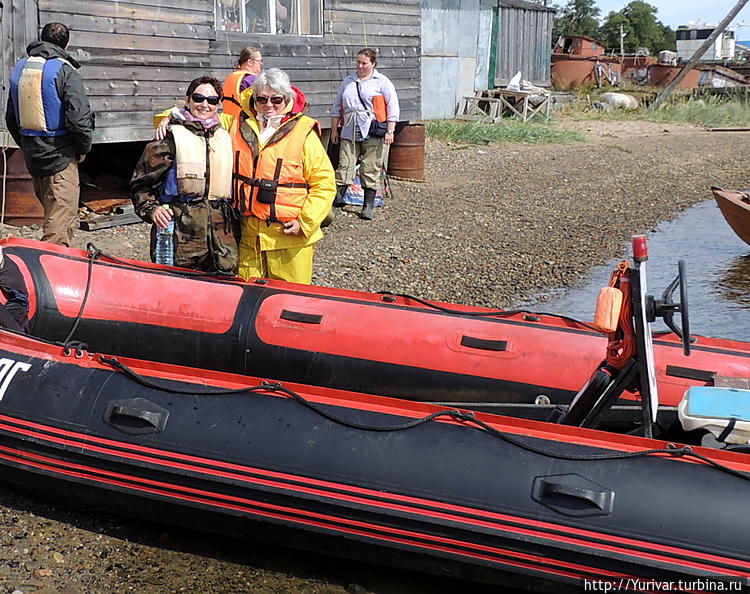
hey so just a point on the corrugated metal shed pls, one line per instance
(454, 41)
(523, 42)
(472, 45)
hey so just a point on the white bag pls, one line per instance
(515, 82)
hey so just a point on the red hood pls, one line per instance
(300, 101)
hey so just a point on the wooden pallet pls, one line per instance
(489, 106)
(480, 109)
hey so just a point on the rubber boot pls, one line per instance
(339, 201)
(369, 204)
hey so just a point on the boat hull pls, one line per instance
(736, 211)
(442, 492)
(380, 344)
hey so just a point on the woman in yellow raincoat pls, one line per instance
(283, 182)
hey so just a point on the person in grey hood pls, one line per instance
(49, 117)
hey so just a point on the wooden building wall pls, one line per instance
(137, 56)
(16, 26)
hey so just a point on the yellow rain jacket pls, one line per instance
(317, 172)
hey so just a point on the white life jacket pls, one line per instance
(192, 167)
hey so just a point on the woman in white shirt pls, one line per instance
(353, 110)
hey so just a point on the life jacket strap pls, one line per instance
(254, 181)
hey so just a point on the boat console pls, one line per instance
(629, 364)
(720, 415)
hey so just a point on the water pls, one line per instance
(718, 274)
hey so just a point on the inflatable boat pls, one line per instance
(394, 481)
(512, 362)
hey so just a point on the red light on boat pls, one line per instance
(640, 248)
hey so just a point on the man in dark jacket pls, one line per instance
(14, 313)
(49, 117)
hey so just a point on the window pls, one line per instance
(272, 17)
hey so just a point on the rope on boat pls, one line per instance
(278, 388)
(91, 248)
(94, 253)
(467, 417)
(493, 313)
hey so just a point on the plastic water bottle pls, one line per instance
(165, 244)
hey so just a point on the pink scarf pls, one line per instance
(207, 124)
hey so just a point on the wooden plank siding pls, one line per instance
(18, 26)
(137, 56)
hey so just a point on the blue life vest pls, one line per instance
(168, 190)
(54, 112)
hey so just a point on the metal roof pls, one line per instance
(524, 4)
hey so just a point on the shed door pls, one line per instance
(524, 42)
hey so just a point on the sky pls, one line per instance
(680, 12)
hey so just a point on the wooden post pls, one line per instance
(698, 53)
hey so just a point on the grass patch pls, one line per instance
(512, 130)
(704, 112)
(708, 112)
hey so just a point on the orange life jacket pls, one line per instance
(268, 183)
(231, 92)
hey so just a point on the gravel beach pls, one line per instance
(493, 225)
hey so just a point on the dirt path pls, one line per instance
(493, 225)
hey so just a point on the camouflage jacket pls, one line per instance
(205, 232)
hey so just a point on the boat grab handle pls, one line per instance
(484, 343)
(298, 316)
(596, 498)
(136, 416)
(573, 495)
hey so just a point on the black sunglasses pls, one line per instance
(275, 100)
(198, 98)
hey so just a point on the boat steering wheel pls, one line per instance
(665, 308)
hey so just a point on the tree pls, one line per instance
(647, 29)
(609, 34)
(577, 17)
(670, 38)
(642, 27)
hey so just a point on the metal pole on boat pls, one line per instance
(643, 339)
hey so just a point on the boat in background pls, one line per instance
(735, 206)
(520, 363)
(579, 61)
(393, 481)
